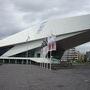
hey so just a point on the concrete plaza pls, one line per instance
(31, 77)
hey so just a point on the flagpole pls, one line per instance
(27, 49)
(47, 62)
(50, 60)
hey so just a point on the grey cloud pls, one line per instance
(18, 14)
(29, 5)
(10, 19)
(43, 9)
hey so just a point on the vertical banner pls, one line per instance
(52, 43)
(45, 51)
(44, 47)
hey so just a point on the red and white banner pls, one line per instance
(48, 44)
(51, 43)
(45, 51)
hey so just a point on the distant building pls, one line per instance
(88, 56)
(69, 55)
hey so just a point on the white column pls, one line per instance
(26, 61)
(47, 65)
(15, 61)
(30, 61)
(50, 60)
(9, 60)
(22, 61)
(3, 61)
(44, 64)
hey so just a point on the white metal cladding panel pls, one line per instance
(31, 45)
(22, 48)
(67, 25)
(20, 37)
(55, 26)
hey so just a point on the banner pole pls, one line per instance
(47, 62)
(50, 60)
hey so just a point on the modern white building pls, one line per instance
(69, 32)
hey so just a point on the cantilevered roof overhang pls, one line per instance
(52, 26)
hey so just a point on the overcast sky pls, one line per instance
(15, 15)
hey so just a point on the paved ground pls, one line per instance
(30, 77)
